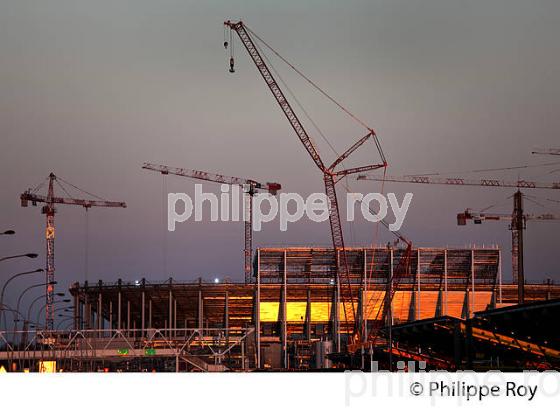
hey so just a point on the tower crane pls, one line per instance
(330, 173)
(250, 186)
(517, 217)
(517, 224)
(49, 211)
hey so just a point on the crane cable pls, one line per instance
(369, 272)
(86, 233)
(533, 199)
(86, 240)
(164, 217)
(339, 105)
(315, 125)
(64, 190)
(298, 103)
(81, 190)
(473, 171)
(42, 184)
(502, 202)
(231, 45)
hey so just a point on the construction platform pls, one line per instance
(513, 338)
(292, 315)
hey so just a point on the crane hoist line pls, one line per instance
(251, 186)
(49, 210)
(331, 175)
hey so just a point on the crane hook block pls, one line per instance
(226, 44)
(231, 65)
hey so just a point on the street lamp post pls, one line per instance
(15, 313)
(22, 255)
(9, 309)
(28, 317)
(63, 309)
(66, 319)
(12, 278)
(45, 305)
(19, 301)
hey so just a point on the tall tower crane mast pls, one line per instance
(330, 174)
(250, 186)
(49, 211)
(517, 225)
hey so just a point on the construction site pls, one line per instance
(306, 308)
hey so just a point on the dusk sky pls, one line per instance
(90, 90)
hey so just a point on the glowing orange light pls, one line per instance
(47, 366)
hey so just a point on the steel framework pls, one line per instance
(203, 349)
(330, 174)
(49, 210)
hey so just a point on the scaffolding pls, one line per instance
(201, 349)
(292, 305)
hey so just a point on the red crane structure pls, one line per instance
(49, 210)
(517, 217)
(250, 186)
(330, 173)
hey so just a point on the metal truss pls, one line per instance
(204, 349)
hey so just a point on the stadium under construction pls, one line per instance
(449, 309)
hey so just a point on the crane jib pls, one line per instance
(329, 174)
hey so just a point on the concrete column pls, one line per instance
(308, 316)
(99, 311)
(110, 316)
(200, 310)
(92, 321)
(80, 314)
(150, 313)
(445, 293)
(390, 308)
(226, 314)
(258, 310)
(243, 355)
(143, 312)
(87, 316)
(418, 286)
(500, 276)
(473, 298)
(174, 316)
(335, 306)
(128, 314)
(284, 313)
(418, 290)
(119, 310)
(390, 291)
(364, 297)
(76, 311)
(170, 313)
(336, 315)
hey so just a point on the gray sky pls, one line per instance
(90, 90)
